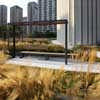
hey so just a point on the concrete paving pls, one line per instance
(55, 63)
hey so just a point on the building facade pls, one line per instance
(25, 28)
(3, 14)
(47, 12)
(32, 16)
(83, 21)
(16, 14)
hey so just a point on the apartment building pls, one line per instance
(3, 14)
(16, 14)
(32, 16)
(47, 12)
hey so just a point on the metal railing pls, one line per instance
(39, 23)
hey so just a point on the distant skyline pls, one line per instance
(21, 3)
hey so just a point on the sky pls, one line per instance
(21, 3)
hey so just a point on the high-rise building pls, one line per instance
(25, 28)
(3, 14)
(16, 14)
(32, 16)
(83, 21)
(47, 12)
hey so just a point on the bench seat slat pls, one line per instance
(47, 54)
(44, 53)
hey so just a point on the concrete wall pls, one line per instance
(84, 21)
(71, 24)
(65, 10)
(62, 13)
(98, 21)
(77, 21)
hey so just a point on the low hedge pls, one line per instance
(38, 47)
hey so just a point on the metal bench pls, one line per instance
(47, 55)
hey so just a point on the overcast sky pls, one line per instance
(21, 3)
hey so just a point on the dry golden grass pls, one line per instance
(32, 45)
(3, 57)
(25, 83)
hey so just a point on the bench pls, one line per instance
(46, 54)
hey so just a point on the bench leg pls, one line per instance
(21, 55)
(46, 57)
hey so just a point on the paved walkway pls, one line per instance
(55, 63)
